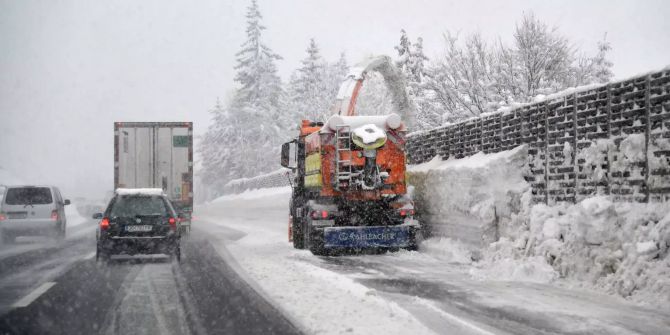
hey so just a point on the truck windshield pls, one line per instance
(28, 196)
(132, 206)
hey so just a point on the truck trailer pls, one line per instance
(157, 155)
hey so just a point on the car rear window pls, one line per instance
(28, 196)
(132, 206)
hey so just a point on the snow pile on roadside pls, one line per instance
(73, 217)
(622, 248)
(504, 261)
(446, 249)
(476, 199)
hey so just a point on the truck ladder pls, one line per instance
(342, 167)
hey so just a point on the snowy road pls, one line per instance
(405, 292)
(59, 288)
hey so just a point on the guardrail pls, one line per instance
(276, 178)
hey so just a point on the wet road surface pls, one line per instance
(49, 287)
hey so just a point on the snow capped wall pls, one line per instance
(611, 139)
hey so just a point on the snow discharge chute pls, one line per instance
(345, 103)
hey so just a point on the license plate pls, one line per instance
(363, 237)
(139, 228)
(17, 215)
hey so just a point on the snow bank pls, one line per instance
(73, 217)
(447, 250)
(475, 199)
(621, 248)
(503, 261)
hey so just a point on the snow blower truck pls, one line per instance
(349, 189)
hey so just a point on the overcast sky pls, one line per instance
(69, 69)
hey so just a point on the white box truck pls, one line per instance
(157, 155)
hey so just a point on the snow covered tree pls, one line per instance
(474, 77)
(335, 74)
(417, 62)
(217, 165)
(543, 55)
(463, 81)
(410, 61)
(308, 89)
(404, 53)
(244, 138)
(338, 70)
(256, 69)
(602, 67)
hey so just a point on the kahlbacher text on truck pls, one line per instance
(349, 188)
(157, 155)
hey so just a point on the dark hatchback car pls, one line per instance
(138, 221)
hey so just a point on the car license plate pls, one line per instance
(138, 228)
(20, 215)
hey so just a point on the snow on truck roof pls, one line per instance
(140, 191)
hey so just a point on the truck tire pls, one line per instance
(297, 235)
(314, 239)
(413, 241)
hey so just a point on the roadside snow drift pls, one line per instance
(483, 201)
(475, 199)
(619, 247)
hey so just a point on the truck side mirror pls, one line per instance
(67, 202)
(286, 150)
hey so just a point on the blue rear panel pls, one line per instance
(364, 237)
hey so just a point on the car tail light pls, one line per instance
(173, 223)
(54, 215)
(2, 216)
(104, 224)
(406, 212)
(320, 214)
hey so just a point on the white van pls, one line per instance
(32, 210)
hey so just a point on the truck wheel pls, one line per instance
(297, 235)
(314, 240)
(413, 242)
